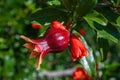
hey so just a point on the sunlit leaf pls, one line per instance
(107, 32)
(104, 34)
(89, 62)
(90, 22)
(118, 21)
(85, 65)
(97, 17)
(53, 2)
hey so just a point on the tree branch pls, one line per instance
(59, 73)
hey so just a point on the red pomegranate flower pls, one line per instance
(55, 40)
(78, 49)
(80, 74)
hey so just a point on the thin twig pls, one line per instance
(59, 73)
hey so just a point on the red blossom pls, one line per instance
(36, 26)
(55, 40)
(78, 49)
(80, 74)
(82, 32)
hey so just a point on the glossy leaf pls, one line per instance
(89, 62)
(49, 15)
(97, 17)
(85, 65)
(90, 22)
(107, 32)
(104, 34)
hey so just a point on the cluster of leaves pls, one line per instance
(100, 19)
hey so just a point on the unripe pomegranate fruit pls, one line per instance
(56, 39)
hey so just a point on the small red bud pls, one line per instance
(82, 32)
(36, 26)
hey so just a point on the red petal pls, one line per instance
(26, 39)
(80, 74)
(30, 46)
(78, 48)
(30, 40)
(39, 61)
(33, 55)
(86, 53)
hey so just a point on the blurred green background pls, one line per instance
(15, 20)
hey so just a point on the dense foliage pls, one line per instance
(98, 20)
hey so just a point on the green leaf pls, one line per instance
(106, 35)
(85, 65)
(104, 48)
(90, 22)
(53, 2)
(118, 21)
(108, 14)
(82, 8)
(88, 62)
(107, 32)
(97, 17)
(91, 61)
(49, 15)
(67, 4)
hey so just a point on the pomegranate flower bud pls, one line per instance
(80, 74)
(57, 25)
(36, 26)
(55, 40)
(82, 32)
(78, 49)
